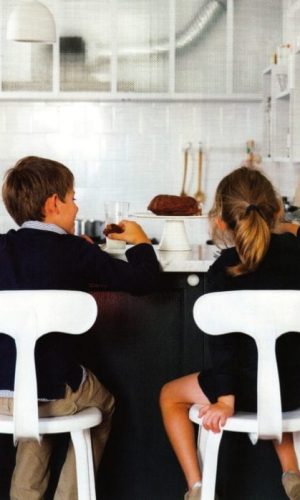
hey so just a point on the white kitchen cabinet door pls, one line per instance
(144, 49)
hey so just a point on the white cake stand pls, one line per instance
(174, 236)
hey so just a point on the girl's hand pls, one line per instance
(132, 233)
(286, 227)
(214, 416)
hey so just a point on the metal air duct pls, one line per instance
(204, 18)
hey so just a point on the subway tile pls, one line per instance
(135, 150)
(15, 146)
(45, 118)
(18, 118)
(127, 118)
(2, 121)
(72, 118)
(99, 117)
(155, 118)
(140, 148)
(113, 146)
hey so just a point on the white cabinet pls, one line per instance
(144, 49)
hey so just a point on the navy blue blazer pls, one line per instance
(40, 259)
(234, 356)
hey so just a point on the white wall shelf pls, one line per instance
(278, 126)
(284, 95)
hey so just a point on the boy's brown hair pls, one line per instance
(30, 182)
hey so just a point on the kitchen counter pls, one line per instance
(196, 260)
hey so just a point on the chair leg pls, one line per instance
(87, 437)
(84, 464)
(201, 444)
(210, 460)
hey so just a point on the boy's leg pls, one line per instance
(90, 393)
(175, 400)
(31, 474)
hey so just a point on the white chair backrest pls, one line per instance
(264, 315)
(26, 315)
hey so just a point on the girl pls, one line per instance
(261, 253)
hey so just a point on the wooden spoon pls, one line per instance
(185, 165)
(199, 195)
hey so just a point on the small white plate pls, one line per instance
(112, 251)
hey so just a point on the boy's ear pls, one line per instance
(50, 206)
(221, 224)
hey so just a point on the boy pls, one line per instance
(44, 254)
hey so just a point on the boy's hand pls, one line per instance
(132, 233)
(87, 238)
(214, 416)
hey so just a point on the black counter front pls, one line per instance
(136, 345)
(139, 344)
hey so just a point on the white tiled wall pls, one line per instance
(133, 151)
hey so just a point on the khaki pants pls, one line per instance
(31, 473)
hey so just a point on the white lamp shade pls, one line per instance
(31, 21)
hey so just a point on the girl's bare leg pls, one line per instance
(286, 453)
(176, 399)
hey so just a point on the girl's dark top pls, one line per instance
(40, 259)
(234, 356)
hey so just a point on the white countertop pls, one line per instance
(196, 260)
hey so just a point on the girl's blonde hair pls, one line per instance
(247, 202)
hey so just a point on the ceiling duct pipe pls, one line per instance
(208, 14)
(204, 18)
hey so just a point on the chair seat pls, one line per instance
(85, 419)
(247, 422)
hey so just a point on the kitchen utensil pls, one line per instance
(199, 195)
(185, 166)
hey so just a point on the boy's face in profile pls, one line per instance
(66, 212)
(69, 210)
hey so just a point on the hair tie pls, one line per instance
(250, 208)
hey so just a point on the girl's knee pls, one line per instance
(166, 394)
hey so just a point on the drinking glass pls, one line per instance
(115, 211)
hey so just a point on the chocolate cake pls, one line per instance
(112, 228)
(167, 204)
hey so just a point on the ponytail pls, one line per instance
(248, 204)
(252, 239)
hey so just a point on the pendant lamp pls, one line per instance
(31, 21)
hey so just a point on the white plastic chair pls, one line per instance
(264, 315)
(26, 316)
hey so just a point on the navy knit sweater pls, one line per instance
(234, 356)
(39, 259)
